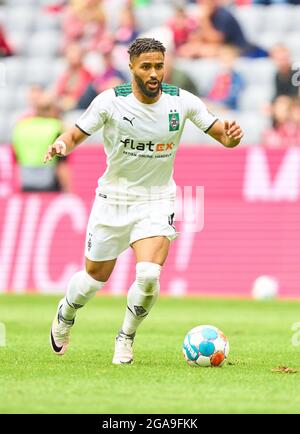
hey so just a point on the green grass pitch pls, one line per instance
(34, 380)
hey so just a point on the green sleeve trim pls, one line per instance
(123, 89)
(170, 90)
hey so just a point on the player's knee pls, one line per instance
(92, 285)
(147, 276)
(96, 273)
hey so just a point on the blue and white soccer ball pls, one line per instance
(205, 345)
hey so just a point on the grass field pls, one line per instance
(33, 380)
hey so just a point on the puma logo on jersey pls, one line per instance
(128, 120)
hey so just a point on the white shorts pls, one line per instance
(113, 228)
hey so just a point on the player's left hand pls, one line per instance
(233, 131)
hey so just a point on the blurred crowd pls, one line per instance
(93, 53)
(285, 107)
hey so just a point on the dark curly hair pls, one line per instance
(145, 45)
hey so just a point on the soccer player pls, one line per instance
(134, 204)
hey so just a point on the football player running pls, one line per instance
(135, 199)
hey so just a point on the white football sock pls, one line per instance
(81, 288)
(141, 296)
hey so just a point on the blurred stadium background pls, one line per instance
(55, 55)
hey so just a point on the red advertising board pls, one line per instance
(248, 224)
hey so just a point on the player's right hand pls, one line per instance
(58, 149)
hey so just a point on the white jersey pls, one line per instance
(141, 140)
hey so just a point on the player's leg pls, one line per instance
(82, 286)
(150, 254)
(103, 244)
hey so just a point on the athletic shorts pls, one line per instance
(113, 228)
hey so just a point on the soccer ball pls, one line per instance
(265, 288)
(205, 345)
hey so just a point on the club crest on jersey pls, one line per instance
(173, 121)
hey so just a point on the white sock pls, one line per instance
(141, 296)
(81, 288)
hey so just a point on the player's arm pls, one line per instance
(89, 122)
(65, 143)
(228, 133)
